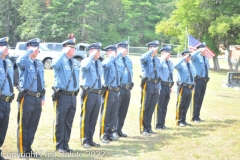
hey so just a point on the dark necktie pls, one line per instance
(170, 72)
(129, 75)
(8, 76)
(190, 73)
(116, 73)
(205, 65)
(155, 69)
(99, 80)
(39, 84)
(73, 74)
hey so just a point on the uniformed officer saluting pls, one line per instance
(166, 73)
(201, 65)
(185, 85)
(6, 89)
(91, 73)
(112, 77)
(30, 98)
(150, 87)
(66, 86)
(125, 87)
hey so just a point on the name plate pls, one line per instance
(234, 78)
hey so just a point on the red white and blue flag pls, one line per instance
(193, 42)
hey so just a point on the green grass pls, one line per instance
(217, 138)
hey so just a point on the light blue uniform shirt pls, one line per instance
(148, 67)
(10, 68)
(183, 72)
(164, 71)
(110, 71)
(125, 76)
(198, 64)
(62, 72)
(89, 73)
(27, 71)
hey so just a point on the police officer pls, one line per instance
(201, 65)
(6, 89)
(150, 87)
(112, 76)
(125, 87)
(185, 85)
(66, 83)
(30, 98)
(166, 72)
(91, 73)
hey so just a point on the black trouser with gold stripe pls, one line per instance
(108, 114)
(183, 102)
(199, 92)
(64, 108)
(163, 100)
(150, 94)
(124, 99)
(88, 118)
(29, 112)
(4, 119)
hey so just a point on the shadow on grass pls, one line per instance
(137, 145)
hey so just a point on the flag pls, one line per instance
(193, 42)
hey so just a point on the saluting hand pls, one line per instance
(66, 49)
(93, 53)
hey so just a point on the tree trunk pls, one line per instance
(237, 65)
(215, 63)
(229, 59)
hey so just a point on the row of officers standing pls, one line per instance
(105, 88)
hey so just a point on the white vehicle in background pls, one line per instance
(45, 55)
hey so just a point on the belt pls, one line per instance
(97, 91)
(154, 80)
(7, 98)
(190, 86)
(170, 84)
(128, 86)
(69, 93)
(115, 89)
(202, 78)
(36, 94)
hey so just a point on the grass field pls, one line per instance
(217, 138)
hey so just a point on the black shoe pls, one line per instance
(122, 134)
(69, 150)
(196, 121)
(111, 138)
(145, 133)
(158, 128)
(94, 144)
(86, 145)
(151, 132)
(199, 119)
(115, 135)
(104, 140)
(187, 124)
(61, 150)
(163, 127)
(181, 125)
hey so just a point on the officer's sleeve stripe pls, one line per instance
(143, 99)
